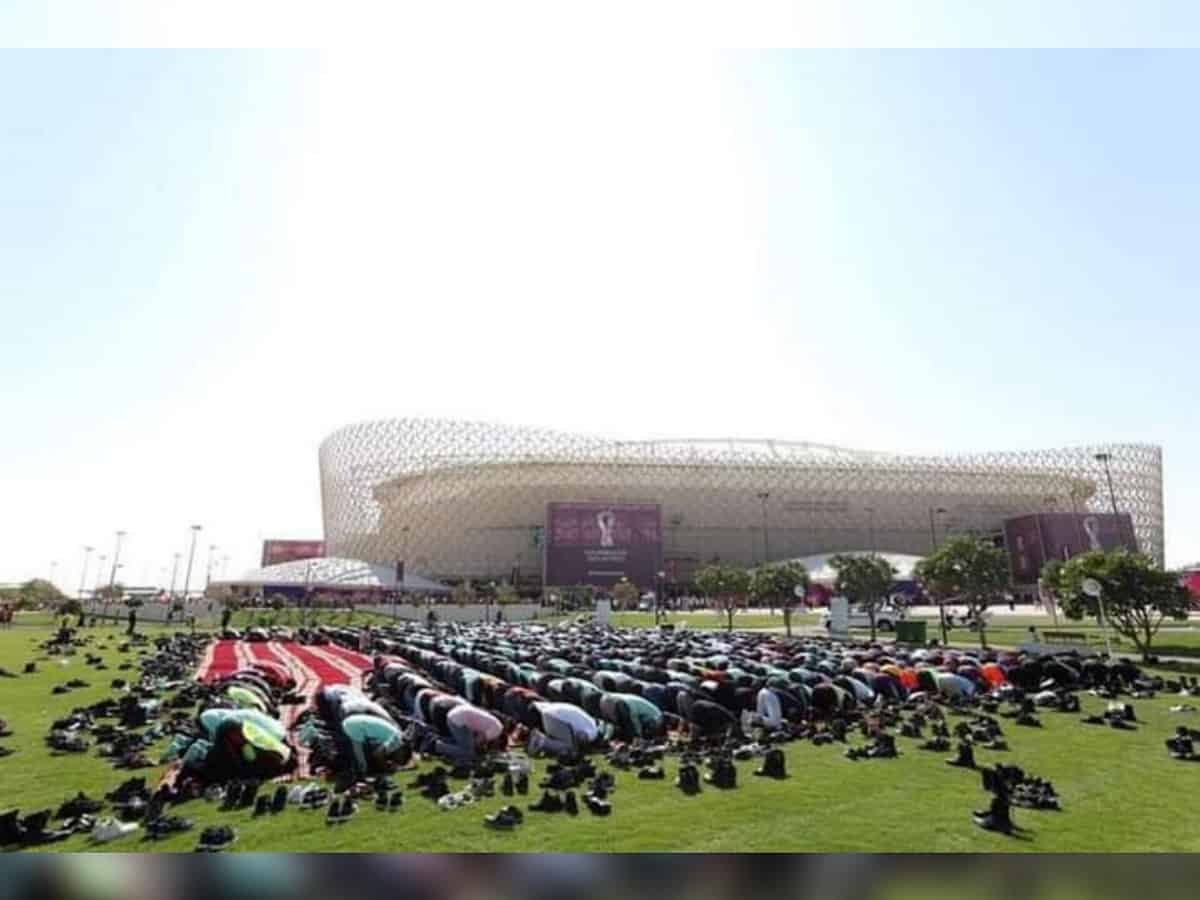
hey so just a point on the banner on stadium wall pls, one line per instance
(1032, 540)
(276, 551)
(598, 544)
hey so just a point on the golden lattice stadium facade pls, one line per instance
(455, 499)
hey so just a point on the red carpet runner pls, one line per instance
(311, 667)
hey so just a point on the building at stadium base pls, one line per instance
(458, 500)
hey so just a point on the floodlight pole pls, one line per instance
(87, 553)
(187, 578)
(1104, 622)
(112, 579)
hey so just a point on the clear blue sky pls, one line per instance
(210, 260)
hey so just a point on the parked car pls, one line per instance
(886, 618)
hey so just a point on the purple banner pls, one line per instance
(274, 552)
(599, 543)
(1032, 540)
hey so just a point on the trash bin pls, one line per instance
(911, 631)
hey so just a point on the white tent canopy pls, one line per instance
(336, 572)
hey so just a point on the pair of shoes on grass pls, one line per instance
(340, 811)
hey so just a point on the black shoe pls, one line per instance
(550, 803)
(506, 819)
(30, 668)
(995, 819)
(597, 806)
(506, 785)
(134, 787)
(522, 783)
(559, 780)
(79, 805)
(965, 758)
(688, 780)
(165, 826)
(216, 839)
(233, 796)
(279, 800)
(570, 804)
(34, 827)
(314, 798)
(397, 801)
(262, 805)
(774, 765)
(349, 808)
(79, 824)
(11, 832)
(381, 801)
(334, 814)
(435, 789)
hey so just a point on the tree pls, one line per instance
(864, 580)
(40, 593)
(967, 570)
(724, 584)
(1137, 596)
(626, 594)
(780, 580)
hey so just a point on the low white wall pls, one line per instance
(517, 612)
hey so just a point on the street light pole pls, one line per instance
(661, 577)
(208, 572)
(87, 554)
(933, 549)
(187, 578)
(112, 579)
(174, 573)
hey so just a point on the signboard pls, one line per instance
(274, 552)
(598, 544)
(1032, 540)
(603, 612)
(1191, 581)
(839, 618)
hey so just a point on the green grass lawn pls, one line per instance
(1120, 791)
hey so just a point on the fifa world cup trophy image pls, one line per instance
(607, 522)
(1092, 526)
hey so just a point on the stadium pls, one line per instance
(461, 499)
